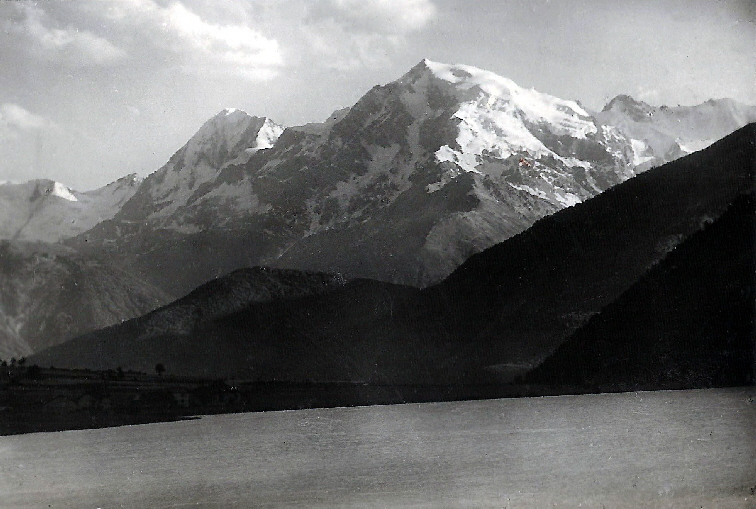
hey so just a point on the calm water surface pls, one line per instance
(663, 449)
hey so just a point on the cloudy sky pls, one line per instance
(93, 90)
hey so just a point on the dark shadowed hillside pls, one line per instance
(690, 322)
(49, 294)
(197, 311)
(497, 316)
(521, 298)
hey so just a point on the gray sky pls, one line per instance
(93, 90)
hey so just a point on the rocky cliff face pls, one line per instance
(228, 138)
(507, 308)
(403, 186)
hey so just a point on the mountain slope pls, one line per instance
(403, 186)
(497, 315)
(539, 286)
(49, 294)
(230, 137)
(48, 211)
(675, 130)
(690, 322)
(167, 332)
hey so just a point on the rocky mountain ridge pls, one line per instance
(229, 138)
(403, 186)
(501, 312)
(674, 130)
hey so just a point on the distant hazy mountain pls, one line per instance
(49, 294)
(405, 185)
(48, 211)
(676, 130)
(500, 313)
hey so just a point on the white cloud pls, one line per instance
(197, 45)
(233, 44)
(649, 95)
(344, 51)
(69, 45)
(349, 34)
(15, 119)
(382, 16)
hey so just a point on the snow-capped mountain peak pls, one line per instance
(637, 110)
(230, 137)
(225, 130)
(267, 135)
(537, 106)
(496, 116)
(427, 169)
(41, 189)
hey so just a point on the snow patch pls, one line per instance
(494, 127)
(640, 152)
(568, 117)
(62, 191)
(531, 190)
(564, 198)
(267, 135)
(694, 145)
(567, 199)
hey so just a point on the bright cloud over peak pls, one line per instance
(82, 34)
(238, 45)
(352, 34)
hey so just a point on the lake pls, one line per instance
(645, 449)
